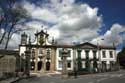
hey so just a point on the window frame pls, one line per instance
(111, 54)
(103, 54)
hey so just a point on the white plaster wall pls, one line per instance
(108, 55)
(57, 59)
(97, 54)
(82, 54)
(108, 58)
(90, 54)
(83, 64)
(22, 50)
(68, 58)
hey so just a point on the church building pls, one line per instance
(46, 57)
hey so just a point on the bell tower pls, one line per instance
(24, 39)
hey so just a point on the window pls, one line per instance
(103, 54)
(94, 54)
(83, 64)
(69, 64)
(48, 54)
(69, 53)
(40, 51)
(111, 54)
(33, 52)
(60, 64)
(60, 53)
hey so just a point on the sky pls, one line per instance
(75, 21)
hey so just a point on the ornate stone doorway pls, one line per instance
(47, 66)
(39, 65)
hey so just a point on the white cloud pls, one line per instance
(70, 22)
(67, 2)
(44, 15)
(111, 36)
(15, 41)
(81, 21)
(1, 31)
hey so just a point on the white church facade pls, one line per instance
(46, 57)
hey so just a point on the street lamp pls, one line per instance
(99, 55)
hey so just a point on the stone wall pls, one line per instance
(7, 64)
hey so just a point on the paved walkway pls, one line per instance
(10, 80)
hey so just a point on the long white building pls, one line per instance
(47, 57)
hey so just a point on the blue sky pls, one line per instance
(113, 11)
(79, 21)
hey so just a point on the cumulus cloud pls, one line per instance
(66, 21)
(78, 23)
(111, 36)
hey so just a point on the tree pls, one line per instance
(11, 14)
(121, 57)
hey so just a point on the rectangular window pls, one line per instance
(111, 54)
(83, 64)
(60, 53)
(60, 64)
(103, 54)
(40, 51)
(33, 52)
(48, 52)
(69, 64)
(69, 53)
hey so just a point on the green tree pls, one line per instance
(121, 57)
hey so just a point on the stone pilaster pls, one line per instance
(74, 59)
(36, 59)
(44, 60)
(53, 60)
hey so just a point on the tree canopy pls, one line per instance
(121, 57)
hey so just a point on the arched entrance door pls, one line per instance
(47, 66)
(39, 65)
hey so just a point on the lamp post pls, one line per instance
(99, 56)
(74, 63)
(64, 63)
